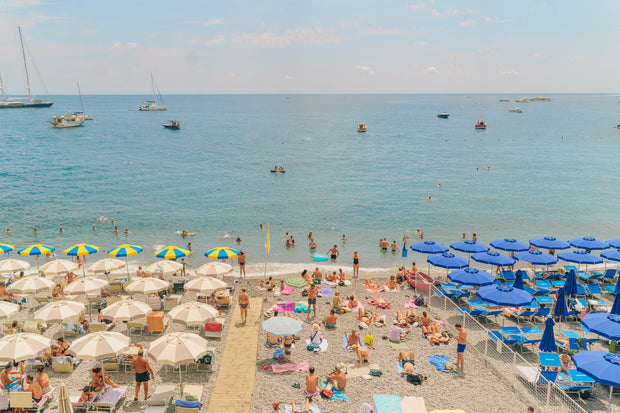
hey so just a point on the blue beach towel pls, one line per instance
(400, 368)
(336, 394)
(387, 403)
(344, 343)
(439, 362)
(327, 292)
(188, 404)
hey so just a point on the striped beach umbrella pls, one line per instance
(172, 253)
(221, 253)
(6, 248)
(12, 265)
(36, 250)
(80, 250)
(125, 250)
(58, 267)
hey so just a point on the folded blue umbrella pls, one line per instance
(570, 286)
(547, 342)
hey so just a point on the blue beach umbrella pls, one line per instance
(570, 286)
(447, 260)
(536, 257)
(221, 253)
(550, 243)
(493, 258)
(172, 253)
(588, 243)
(615, 307)
(580, 257)
(602, 366)
(505, 295)
(36, 250)
(614, 243)
(510, 244)
(125, 250)
(281, 326)
(430, 247)
(560, 309)
(612, 255)
(471, 276)
(518, 281)
(81, 250)
(547, 342)
(603, 324)
(469, 246)
(6, 248)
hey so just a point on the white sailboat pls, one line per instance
(67, 121)
(151, 105)
(86, 117)
(29, 101)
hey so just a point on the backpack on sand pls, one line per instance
(369, 340)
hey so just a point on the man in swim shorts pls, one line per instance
(244, 304)
(312, 294)
(333, 252)
(241, 261)
(337, 378)
(461, 339)
(141, 366)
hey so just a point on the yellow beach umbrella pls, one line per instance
(222, 253)
(6, 248)
(172, 253)
(125, 250)
(80, 250)
(36, 250)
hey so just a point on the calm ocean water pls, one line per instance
(552, 170)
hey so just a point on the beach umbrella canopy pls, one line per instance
(447, 260)
(614, 243)
(603, 324)
(550, 243)
(11, 265)
(221, 253)
(193, 313)
(125, 250)
(429, 247)
(471, 276)
(281, 326)
(23, 346)
(59, 311)
(147, 286)
(518, 283)
(297, 282)
(570, 286)
(536, 257)
(560, 309)
(493, 258)
(547, 342)
(80, 250)
(31, 284)
(99, 345)
(36, 250)
(7, 309)
(505, 295)
(204, 285)
(510, 244)
(164, 267)
(602, 366)
(85, 286)
(4, 248)
(105, 265)
(615, 307)
(64, 400)
(613, 255)
(178, 348)
(469, 246)
(580, 257)
(126, 310)
(588, 243)
(172, 253)
(213, 269)
(58, 267)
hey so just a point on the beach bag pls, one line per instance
(414, 379)
(304, 293)
(311, 347)
(327, 393)
(419, 301)
(375, 372)
(316, 281)
(369, 340)
(341, 283)
(277, 354)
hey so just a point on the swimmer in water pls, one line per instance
(227, 235)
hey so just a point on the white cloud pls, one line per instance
(365, 69)
(125, 47)
(540, 56)
(208, 42)
(497, 20)
(508, 72)
(289, 77)
(425, 71)
(378, 30)
(452, 12)
(422, 43)
(482, 51)
(432, 70)
(435, 13)
(466, 23)
(210, 22)
(420, 5)
(317, 35)
(19, 3)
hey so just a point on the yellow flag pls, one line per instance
(267, 242)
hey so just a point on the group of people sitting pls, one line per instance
(10, 378)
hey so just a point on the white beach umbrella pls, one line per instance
(64, 400)
(59, 312)
(99, 345)
(58, 267)
(31, 284)
(205, 285)
(214, 269)
(176, 349)
(7, 309)
(147, 285)
(126, 310)
(12, 265)
(164, 267)
(193, 313)
(24, 346)
(85, 286)
(105, 265)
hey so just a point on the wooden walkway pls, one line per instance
(235, 378)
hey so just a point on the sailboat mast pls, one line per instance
(153, 86)
(2, 88)
(80, 93)
(21, 40)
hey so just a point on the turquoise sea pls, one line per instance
(552, 170)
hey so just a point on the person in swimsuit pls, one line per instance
(407, 363)
(384, 244)
(241, 261)
(244, 304)
(330, 320)
(312, 294)
(312, 244)
(43, 379)
(144, 373)
(35, 388)
(333, 252)
(337, 378)
(461, 339)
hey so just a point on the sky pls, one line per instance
(313, 46)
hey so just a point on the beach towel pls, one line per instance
(411, 304)
(398, 346)
(413, 405)
(344, 343)
(400, 368)
(387, 290)
(287, 290)
(288, 307)
(295, 282)
(314, 408)
(439, 361)
(387, 403)
(327, 292)
(301, 308)
(330, 283)
(373, 301)
(337, 394)
(372, 290)
(356, 308)
(289, 367)
(354, 371)
(322, 346)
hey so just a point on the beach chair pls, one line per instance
(574, 382)
(213, 329)
(544, 285)
(611, 289)
(160, 400)
(507, 275)
(137, 325)
(493, 312)
(205, 362)
(524, 275)
(513, 334)
(581, 290)
(589, 340)
(558, 283)
(528, 314)
(594, 290)
(549, 360)
(34, 327)
(156, 323)
(542, 312)
(62, 364)
(532, 335)
(185, 406)
(110, 400)
(567, 268)
(610, 274)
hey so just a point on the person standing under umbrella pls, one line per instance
(141, 366)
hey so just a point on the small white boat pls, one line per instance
(81, 112)
(515, 110)
(480, 125)
(361, 127)
(504, 100)
(67, 121)
(443, 115)
(151, 105)
(524, 100)
(540, 99)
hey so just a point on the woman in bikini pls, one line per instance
(352, 302)
(356, 265)
(244, 304)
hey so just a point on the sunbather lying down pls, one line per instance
(434, 336)
(408, 363)
(512, 311)
(370, 284)
(370, 318)
(276, 407)
(380, 302)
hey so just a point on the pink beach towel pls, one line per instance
(285, 368)
(289, 307)
(372, 290)
(410, 304)
(287, 290)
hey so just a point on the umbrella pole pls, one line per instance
(180, 377)
(127, 267)
(611, 389)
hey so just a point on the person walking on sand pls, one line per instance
(333, 252)
(184, 264)
(244, 304)
(356, 265)
(312, 294)
(461, 339)
(144, 373)
(241, 261)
